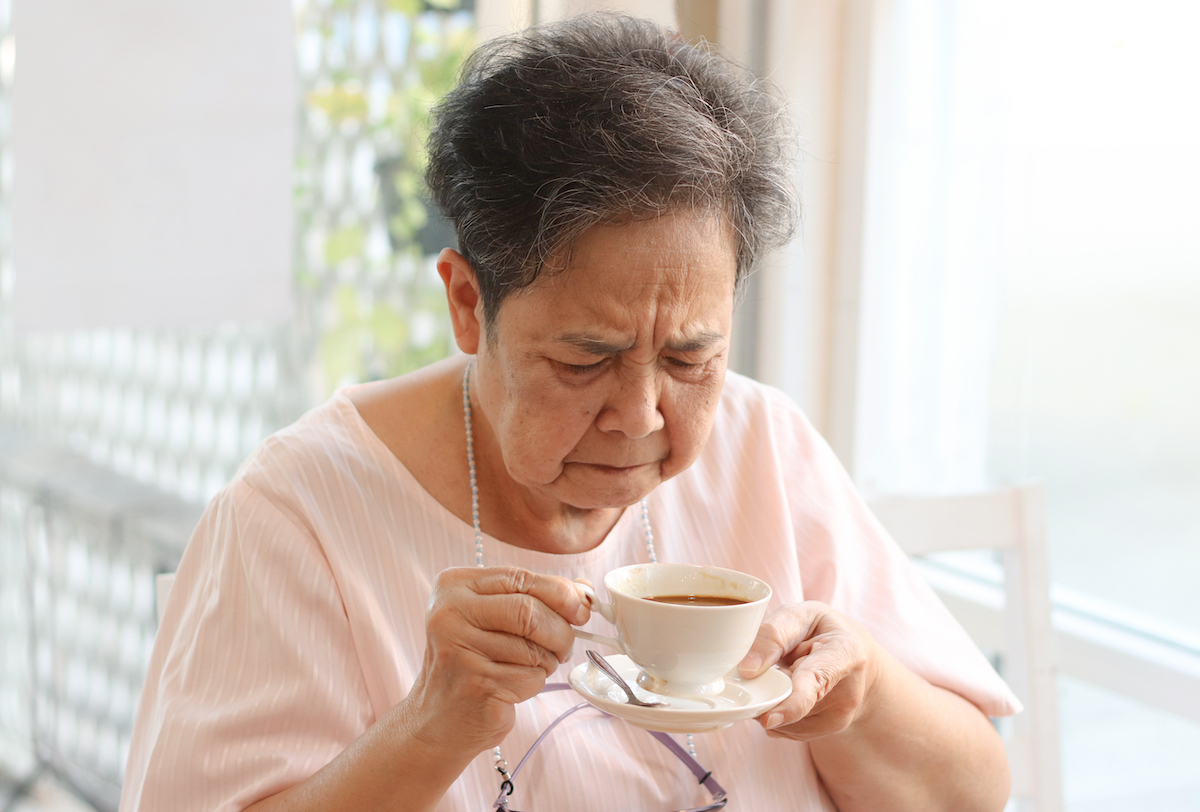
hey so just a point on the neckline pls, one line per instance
(501, 551)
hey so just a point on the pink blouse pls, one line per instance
(298, 618)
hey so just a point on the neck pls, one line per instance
(516, 514)
(559, 530)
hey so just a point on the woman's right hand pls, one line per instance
(493, 637)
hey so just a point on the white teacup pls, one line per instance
(681, 649)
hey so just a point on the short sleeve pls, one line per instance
(254, 684)
(849, 561)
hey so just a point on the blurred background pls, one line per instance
(211, 216)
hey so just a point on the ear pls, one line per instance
(462, 294)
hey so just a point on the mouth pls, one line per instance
(617, 469)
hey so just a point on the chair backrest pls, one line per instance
(1011, 520)
(922, 525)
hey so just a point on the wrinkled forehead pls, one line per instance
(666, 279)
(673, 230)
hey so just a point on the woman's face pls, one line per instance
(601, 380)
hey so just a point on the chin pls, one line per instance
(589, 487)
(607, 498)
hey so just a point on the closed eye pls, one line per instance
(581, 369)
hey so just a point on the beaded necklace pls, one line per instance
(501, 764)
(475, 485)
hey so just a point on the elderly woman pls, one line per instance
(367, 615)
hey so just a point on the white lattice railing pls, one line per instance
(84, 546)
(180, 410)
(110, 440)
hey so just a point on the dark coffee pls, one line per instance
(697, 600)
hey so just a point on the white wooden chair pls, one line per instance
(1013, 619)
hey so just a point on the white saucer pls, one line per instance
(742, 699)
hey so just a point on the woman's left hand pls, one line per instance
(832, 661)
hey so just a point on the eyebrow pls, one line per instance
(697, 342)
(593, 345)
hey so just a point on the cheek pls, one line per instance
(542, 431)
(689, 418)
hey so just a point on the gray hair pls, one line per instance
(600, 119)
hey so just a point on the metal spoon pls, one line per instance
(612, 674)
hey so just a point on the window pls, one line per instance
(1031, 310)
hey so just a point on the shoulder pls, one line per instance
(756, 416)
(743, 392)
(329, 435)
(315, 463)
(761, 436)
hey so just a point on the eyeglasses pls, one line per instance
(719, 796)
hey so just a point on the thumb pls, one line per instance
(781, 633)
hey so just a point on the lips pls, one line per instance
(605, 466)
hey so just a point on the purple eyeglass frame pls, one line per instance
(719, 796)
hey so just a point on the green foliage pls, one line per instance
(368, 342)
(343, 244)
(411, 8)
(369, 339)
(341, 103)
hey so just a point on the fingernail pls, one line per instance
(750, 664)
(774, 720)
(581, 614)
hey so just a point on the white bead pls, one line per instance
(479, 532)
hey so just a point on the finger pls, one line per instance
(587, 594)
(516, 684)
(557, 593)
(814, 677)
(485, 626)
(485, 678)
(459, 616)
(782, 633)
(523, 617)
(505, 649)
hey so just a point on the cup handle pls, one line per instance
(606, 612)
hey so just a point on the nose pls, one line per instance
(632, 405)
